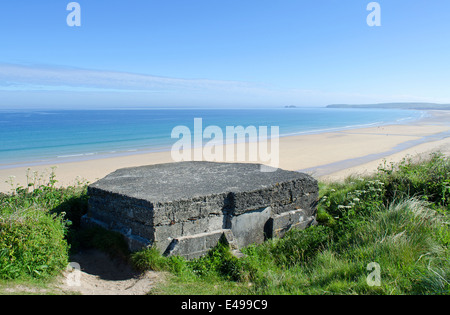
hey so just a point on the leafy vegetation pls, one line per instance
(397, 218)
(34, 223)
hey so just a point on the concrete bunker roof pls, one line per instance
(168, 182)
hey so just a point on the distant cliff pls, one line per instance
(420, 106)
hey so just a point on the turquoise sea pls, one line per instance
(32, 137)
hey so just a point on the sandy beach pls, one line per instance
(327, 156)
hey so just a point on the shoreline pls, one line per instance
(81, 157)
(330, 155)
(334, 167)
(117, 152)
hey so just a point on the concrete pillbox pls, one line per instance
(186, 208)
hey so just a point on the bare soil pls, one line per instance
(103, 275)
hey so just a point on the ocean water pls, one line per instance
(32, 137)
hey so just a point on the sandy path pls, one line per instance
(98, 275)
(101, 275)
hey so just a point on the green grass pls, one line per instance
(397, 218)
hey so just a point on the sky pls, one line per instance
(222, 53)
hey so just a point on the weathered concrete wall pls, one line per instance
(279, 224)
(248, 227)
(191, 203)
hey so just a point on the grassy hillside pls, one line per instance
(395, 221)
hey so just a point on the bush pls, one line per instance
(34, 222)
(32, 244)
(427, 179)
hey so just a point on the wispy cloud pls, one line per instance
(28, 86)
(15, 77)
(52, 86)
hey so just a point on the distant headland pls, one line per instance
(418, 106)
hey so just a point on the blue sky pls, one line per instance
(224, 53)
